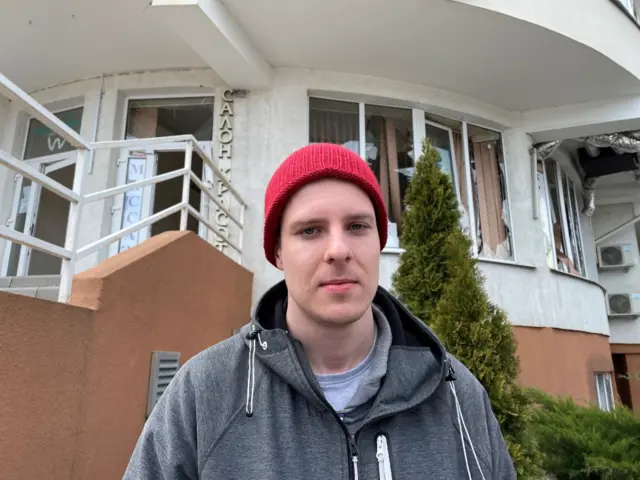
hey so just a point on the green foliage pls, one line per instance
(585, 443)
(440, 283)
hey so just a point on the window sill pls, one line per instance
(577, 277)
(508, 263)
(393, 250)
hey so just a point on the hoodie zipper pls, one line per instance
(352, 439)
(353, 449)
(382, 454)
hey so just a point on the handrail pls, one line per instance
(200, 218)
(71, 252)
(13, 163)
(33, 242)
(11, 91)
(103, 242)
(110, 192)
(145, 142)
(206, 190)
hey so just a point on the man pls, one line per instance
(333, 378)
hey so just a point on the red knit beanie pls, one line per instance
(309, 164)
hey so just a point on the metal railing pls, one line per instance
(71, 252)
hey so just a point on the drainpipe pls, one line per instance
(534, 182)
(95, 126)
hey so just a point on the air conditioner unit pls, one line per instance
(623, 304)
(615, 256)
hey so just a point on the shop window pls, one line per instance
(559, 201)
(604, 391)
(42, 141)
(164, 117)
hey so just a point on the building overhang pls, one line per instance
(209, 29)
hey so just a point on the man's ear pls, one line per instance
(278, 254)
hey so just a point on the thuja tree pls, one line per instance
(439, 281)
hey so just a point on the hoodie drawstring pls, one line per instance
(252, 336)
(463, 430)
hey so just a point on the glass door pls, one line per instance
(40, 213)
(140, 203)
(152, 118)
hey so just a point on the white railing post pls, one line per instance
(73, 226)
(241, 239)
(186, 184)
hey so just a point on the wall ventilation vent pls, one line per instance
(164, 366)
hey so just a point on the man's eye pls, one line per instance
(309, 231)
(358, 227)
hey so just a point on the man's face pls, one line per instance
(329, 251)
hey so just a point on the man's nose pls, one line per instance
(338, 247)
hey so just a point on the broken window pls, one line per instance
(563, 214)
(492, 217)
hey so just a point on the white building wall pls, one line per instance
(5, 108)
(270, 125)
(277, 124)
(605, 219)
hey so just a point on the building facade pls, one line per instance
(535, 115)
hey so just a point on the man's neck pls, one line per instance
(332, 349)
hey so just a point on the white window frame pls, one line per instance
(566, 218)
(604, 392)
(419, 134)
(23, 137)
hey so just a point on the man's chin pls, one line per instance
(340, 314)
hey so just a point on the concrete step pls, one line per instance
(30, 281)
(45, 287)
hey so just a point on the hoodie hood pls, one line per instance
(417, 365)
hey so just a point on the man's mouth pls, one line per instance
(339, 285)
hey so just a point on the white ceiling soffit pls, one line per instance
(215, 36)
(47, 43)
(496, 58)
(598, 24)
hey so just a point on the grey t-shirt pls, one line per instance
(351, 393)
(339, 388)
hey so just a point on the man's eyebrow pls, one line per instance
(364, 216)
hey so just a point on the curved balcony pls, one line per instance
(519, 56)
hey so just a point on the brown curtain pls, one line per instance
(389, 177)
(494, 231)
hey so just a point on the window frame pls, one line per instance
(608, 397)
(566, 217)
(420, 123)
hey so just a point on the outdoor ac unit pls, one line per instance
(623, 304)
(615, 256)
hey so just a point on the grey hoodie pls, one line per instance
(251, 408)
